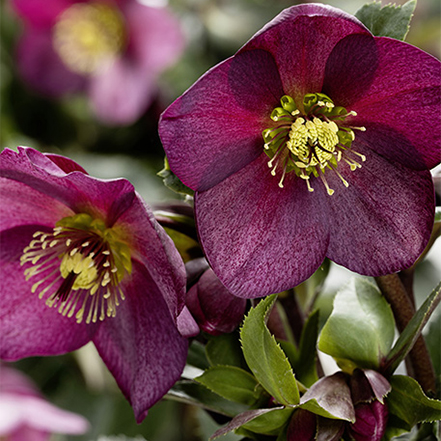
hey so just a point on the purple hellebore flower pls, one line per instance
(370, 423)
(112, 49)
(83, 259)
(314, 140)
(25, 415)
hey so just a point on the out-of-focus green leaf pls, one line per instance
(196, 394)
(264, 356)
(388, 21)
(408, 402)
(305, 367)
(360, 330)
(230, 382)
(225, 350)
(412, 331)
(264, 421)
(196, 355)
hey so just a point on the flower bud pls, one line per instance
(213, 307)
(303, 426)
(370, 422)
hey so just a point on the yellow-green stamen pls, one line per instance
(310, 141)
(88, 35)
(78, 267)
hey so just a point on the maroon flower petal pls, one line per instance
(82, 193)
(381, 223)
(141, 345)
(155, 36)
(276, 242)
(41, 67)
(22, 205)
(154, 248)
(27, 326)
(40, 13)
(406, 97)
(301, 39)
(122, 92)
(220, 119)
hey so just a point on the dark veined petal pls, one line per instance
(259, 238)
(300, 40)
(80, 192)
(22, 205)
(382, 222)
(154, 248)
(141, 345)
(27, 326)
(215, 128)
(406, 97)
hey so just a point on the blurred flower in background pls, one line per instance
(111, 50)
(26, 415)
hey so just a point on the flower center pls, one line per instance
(87, 35)
(310, 142)
(79, 267)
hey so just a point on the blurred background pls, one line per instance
(75, 120)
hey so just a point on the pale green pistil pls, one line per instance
(312, 141)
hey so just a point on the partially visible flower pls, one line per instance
(83, 259)
(370, 423)
(356, 402)
(314, 140)
(113, 50)
(214, 308)
(26, 415)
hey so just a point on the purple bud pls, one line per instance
(370, 422)
(303, 426)
(213, 307)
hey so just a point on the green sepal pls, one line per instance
(388, 21)
(264, 356)
(172, 182)
(360, 329)
(232, 383)
(412, 331)
(263, 421)
(225, 350)
(196, 394)
(408, 402)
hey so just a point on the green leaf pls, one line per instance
(388, 21)
(264, 356)
(412, 331)
(196, 355)
(172, 182)
(230, 382)
(360, 329)
(225, 350)
(306, 365)
(190, 392)
(408, 402)
(264, 421)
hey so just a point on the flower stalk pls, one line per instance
(421, 365)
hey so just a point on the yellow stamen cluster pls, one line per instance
(311, 141)
(88, 35)
(79, 267)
